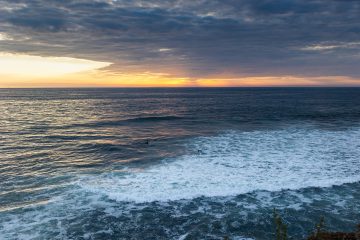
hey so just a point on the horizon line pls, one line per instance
(188, 87)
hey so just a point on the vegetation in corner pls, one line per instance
(318, 234)
(281, 228)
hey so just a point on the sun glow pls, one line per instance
(277, 81)
(27, 66)
(36, 71)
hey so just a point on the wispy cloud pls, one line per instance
(324, 47)
(5, 37)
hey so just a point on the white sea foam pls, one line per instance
(240, 162)
(229, 164)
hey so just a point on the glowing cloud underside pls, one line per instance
(19, 70)
(36, 66)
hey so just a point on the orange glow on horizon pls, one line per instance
(35, 71)
(95, 79)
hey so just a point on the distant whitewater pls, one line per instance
(177, 163)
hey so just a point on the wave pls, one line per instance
(120, 122)
(242, 176)
(241, 162)
(157, 118)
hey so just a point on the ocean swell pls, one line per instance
(237, 162)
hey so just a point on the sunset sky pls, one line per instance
(156, 43)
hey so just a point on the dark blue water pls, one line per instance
(177, 163)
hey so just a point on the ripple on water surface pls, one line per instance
(241, 162)
(225, 184)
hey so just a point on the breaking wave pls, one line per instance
(241, 162)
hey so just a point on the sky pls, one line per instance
(179, 43)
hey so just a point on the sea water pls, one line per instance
(188, 163)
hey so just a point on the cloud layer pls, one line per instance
(191, 38)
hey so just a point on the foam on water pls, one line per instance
(258, 163)
(241, 162)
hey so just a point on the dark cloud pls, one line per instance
(203, 37)
(50, 19)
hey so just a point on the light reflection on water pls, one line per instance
(50, 139)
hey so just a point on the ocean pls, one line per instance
(177, 163)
